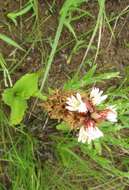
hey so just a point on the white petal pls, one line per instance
(82, 108)
(111, 114)
(104, 98)
(112, 117)
(69, 103)
(73, 98)
(89, 134)
(94, 91)
(79, 97)
(96, 96)
(75, 103)
(69, 99)
(101, 92)
(82, 135)
(98, 133)
(113, 108)
(70, 108)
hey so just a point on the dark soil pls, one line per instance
(113, 56)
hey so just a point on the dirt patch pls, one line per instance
(113, 57)
(114, 51)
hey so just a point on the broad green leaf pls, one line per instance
(17, 96)
(8, 96)
(10, 41)
(18, 108)
(27, 86)
(17, 105)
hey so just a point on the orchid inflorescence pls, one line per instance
(87, 107)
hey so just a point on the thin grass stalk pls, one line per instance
(100, 15)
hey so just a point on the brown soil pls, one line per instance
(114, 54)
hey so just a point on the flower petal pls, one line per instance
(88, 134)
(111, 114)
(75, 103)
(96, 96)
(70, 108)
(79, 97)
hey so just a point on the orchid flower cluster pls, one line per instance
(88, 108)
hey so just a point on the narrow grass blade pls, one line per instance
(10, 41)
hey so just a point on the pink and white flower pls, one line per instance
(75, 103)
(87, 134)
(90, 116)
(96, 96)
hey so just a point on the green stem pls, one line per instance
(53, 51)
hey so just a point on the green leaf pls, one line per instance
(27, 86)
(17, 105)
(63, 126)
(41, 96)
(18, 108)
(70, 28)
(24, 88)
(13, 15)
(8, 96)
(89, 78)
(106, 76)
(68, 5)
(10, 41)
(16, 97)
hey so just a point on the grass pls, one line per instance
(31, 157)
(6, 75)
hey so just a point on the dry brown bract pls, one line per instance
(55, 106)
